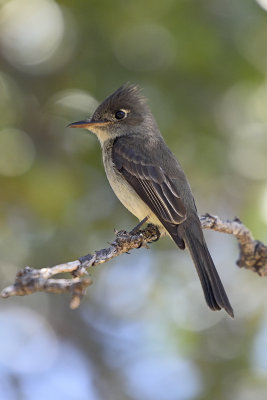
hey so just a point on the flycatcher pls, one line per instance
(150, 182)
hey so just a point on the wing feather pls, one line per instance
(150, 181)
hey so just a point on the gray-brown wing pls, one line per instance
(149, 181)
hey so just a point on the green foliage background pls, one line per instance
(143, 331)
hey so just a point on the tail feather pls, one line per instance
(215, 295)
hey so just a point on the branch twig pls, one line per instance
(253, 253)
(30, 280)
(253, 256)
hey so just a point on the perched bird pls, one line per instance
(150, 182)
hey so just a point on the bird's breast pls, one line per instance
(124, 191)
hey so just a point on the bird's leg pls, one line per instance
(138, 226)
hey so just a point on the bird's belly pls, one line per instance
(127, 195)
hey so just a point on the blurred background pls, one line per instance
(143, 332)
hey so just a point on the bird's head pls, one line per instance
(124, 112)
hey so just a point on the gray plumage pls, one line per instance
(149, 181)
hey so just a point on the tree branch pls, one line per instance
(252, 253)
(253, 256)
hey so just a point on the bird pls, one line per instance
(150, 182)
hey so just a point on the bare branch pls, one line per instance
(253, 253)
(253, 256)
(30, 280)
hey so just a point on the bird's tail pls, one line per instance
(214, 292)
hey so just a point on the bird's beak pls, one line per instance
(88, 124)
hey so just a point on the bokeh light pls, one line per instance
(178, 375)
(29, 342)
(31, 351)
(262, 3)
(17, 152)
(32, 34)
(74, 100)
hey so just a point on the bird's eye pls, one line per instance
(120, 114)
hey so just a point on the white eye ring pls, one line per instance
(121, 114)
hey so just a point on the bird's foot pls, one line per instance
(156, 231)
